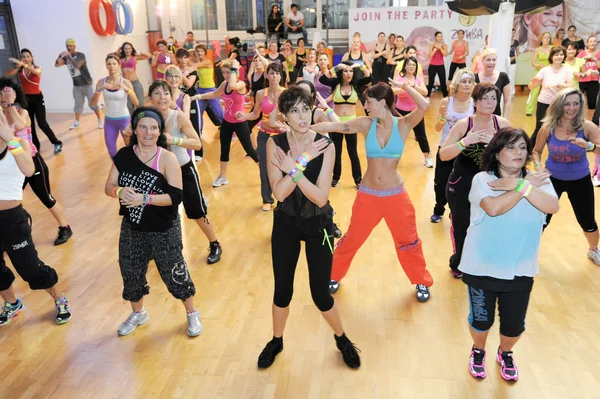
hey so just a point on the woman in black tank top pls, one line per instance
(465, 144)
(379, 56)
(303, 213)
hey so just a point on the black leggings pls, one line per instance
(581, 197)
(512, 308)
(379, 71)
(540, 113)
(420, 133)
(37, 109)
(351, 146)
(15, 239)
(457, 194)
(453, 67)
(285, 249)
(439, 70)
(440, 181)
(40, 182)
(591, 90)
(243, 134)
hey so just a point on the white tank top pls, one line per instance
(452, 117)
(181, 153)
(115, 103)
(11, 179)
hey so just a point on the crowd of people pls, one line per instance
(304, 110)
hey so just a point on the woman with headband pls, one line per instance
(116, 91)
(465, 144)
(11, 99)
(182, 139)
(29, 76)
(382, 194)
(457, 106)
(147, 181)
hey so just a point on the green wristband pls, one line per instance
(297, 177)
(520, 185)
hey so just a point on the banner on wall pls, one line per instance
(583, 14)
(418, 26)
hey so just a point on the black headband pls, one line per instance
(147, 114)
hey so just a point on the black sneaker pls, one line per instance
(215, 252)
(267, 356)
(337, 233)
(64, 233)
(422, 293)
(349, 351)
(334, 286)
(58, 148)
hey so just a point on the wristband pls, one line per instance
(536, 164)
(461, 146)
(118, 191)
(14, 142)
(521, 183)
(463, 143)
(442, 119)
(528, 190)
(298, 177)
(149, 200)
(363, 67)
(145, 199)
(16, 150)
(99, 91)
(332, 71)
(129, 92)
(591, 146)
(329, 111)
(293, 172)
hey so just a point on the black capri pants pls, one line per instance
(581, 197)
(439, 70)
(540, 113)
(36, 107)
(457, 194)
(16, 241)
(512, 306)
(440, 181)
(193, 198)
(420, 133)
(454, 66)
(285, 249)
(243, 134)
(40, 182)
(591, 90)
(136, 248)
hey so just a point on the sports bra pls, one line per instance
(394, 147)
(155, 163)
(130, 63)
(266, 108)
(339, 98)
(358, 61)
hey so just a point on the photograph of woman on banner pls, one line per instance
(421, 38)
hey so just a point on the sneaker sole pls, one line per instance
(18, 312)
(63, 321)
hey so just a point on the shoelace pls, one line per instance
(508, 360)
(478, 358)
(349, 349)
(422, 289)
(194, 319)
(269, 350)
(131, 317)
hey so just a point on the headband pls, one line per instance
(70, 42)
(147, 114)
(466, 75)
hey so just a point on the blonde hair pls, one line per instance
(487, 52)
(459, 77)
(172, 70)
(541, 37)
(556, 111)
(318, 44)
(227, 64)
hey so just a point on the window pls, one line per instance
(372, 3)
(337, 15)
(308, 8)
(263, 10)
(239, 14)
(204, 9)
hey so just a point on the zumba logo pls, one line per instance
(16, 247)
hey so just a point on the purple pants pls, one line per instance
(112, 128)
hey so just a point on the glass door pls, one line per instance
(9, 47)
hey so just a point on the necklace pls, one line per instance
(140, 156)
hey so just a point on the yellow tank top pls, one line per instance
(289, 61)
(205, 78)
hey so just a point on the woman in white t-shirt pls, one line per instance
(553, 79)
(500, 255)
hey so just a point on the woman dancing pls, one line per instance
(129, 58)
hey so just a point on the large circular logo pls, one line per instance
(467, 20)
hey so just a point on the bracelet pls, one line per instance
(129, 92)
(16, 150)
(442, 119)
(521, 184)
(118, 191)
(528, 190)
(591, 146)
(14, 143)
(293, 172)
(461, 146)
(536, 164)
(298, 177)
(463, 143)
(328, 111)
(149, 200)
(363, 67)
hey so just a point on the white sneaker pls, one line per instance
(428, 161)
(75, 125)
(194, 324)
(100, 124)
(135, 319)
(221, 181)
(594, 254)
(198, 158)
(596, 181)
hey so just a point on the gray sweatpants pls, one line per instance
(79, 94)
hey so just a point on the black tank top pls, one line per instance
(257, 85)
(134, 173)
(382, 58)
(467, 162)
(296, 208)
(300, 60)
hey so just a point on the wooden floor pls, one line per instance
(409, 350)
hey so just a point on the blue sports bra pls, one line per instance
(393, 148)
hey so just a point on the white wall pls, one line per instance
(57, 20)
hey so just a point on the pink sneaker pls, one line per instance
(477, 363)
(508, 368)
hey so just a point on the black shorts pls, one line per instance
(193, 199)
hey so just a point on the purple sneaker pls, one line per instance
(508, 368)
(477, 363)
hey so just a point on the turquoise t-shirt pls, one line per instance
(504, 246)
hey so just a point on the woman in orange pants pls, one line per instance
(382, 194)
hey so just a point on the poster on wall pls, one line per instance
(583, 14)
(418, 26)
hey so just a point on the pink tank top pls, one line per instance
(25, 134)
(130, 63)
(437, 59)
(155, 163)
(233, 102)
(404, 101)
(459, 51)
